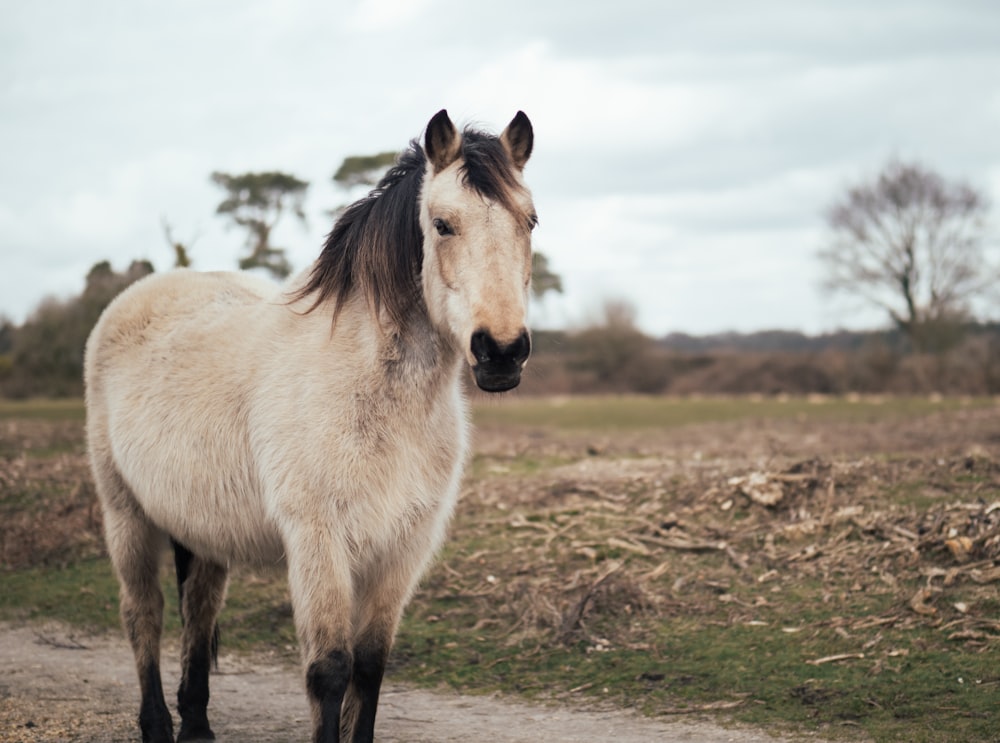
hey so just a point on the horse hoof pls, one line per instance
(194, 733)
(157, 734)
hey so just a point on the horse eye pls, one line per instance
(533, 221)
(443, 227)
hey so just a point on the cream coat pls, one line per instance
(237, 419)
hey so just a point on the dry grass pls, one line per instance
(653, 536)
(830, 571)
(48, 509)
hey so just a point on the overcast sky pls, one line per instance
(684, 152)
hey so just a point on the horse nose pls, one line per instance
(487, 351)
(498, 367)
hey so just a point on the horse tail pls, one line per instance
(182, 566)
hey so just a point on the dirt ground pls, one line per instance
(59, 685)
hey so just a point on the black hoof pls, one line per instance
(193, 732)
(157, 736)
(160, 730)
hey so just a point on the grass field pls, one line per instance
(825, 565)
(54, 410)
(637, 412)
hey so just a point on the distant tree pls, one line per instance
(912, 243)
(364, 170)
(361, 170)
(617, 354)
(7, 330)
(46, 355)
(256, 201)
(181, 257)
(543, 278)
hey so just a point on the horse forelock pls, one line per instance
(488, 170)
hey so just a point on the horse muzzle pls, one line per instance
(498, 367)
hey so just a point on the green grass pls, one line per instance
(621, 412)
(258, 614)
(645, 412)
(84, 594)
(42, 409)
(910, 685)
(525, 464)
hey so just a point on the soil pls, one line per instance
(60, 685)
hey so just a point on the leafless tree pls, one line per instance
(912, 243)
(182, 258)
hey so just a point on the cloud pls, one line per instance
(683, 153)
(379, 15)
(592, 104)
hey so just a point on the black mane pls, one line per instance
(376, 245)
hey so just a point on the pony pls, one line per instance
(321, 425)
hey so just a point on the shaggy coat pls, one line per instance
(319, 425)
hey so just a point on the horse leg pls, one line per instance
(201, 585)
(380, 600)
(371, 652)
(319, 580)
(135, 546)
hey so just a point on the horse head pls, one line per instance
(477, 216)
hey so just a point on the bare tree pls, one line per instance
(914, 244)
(617, 354)
(182, 259)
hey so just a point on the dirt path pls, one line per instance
(60, 685)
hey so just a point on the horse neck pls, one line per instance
(414, 359)
(409, 362)
(420, 357)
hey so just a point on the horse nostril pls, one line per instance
(483, 347)
(520, 349)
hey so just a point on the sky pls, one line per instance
(684, 154)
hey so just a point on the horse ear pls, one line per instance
(441, 142)
(519, 138)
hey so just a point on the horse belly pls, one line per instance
(224, 521)
(168, 373)
(190, 471)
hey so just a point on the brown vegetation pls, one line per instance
(48, 512)
(615, 360)
(771, 506)
(44, 356)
